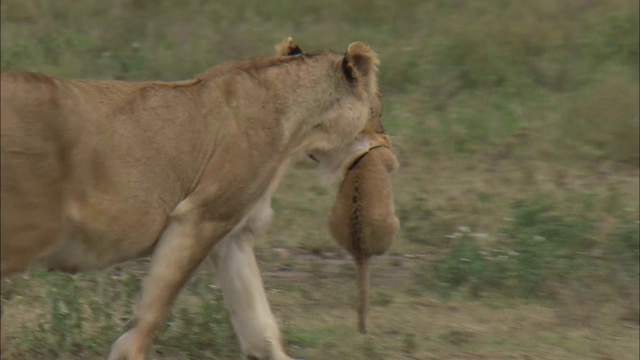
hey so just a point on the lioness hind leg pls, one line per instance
(182, 247)
(239, 277)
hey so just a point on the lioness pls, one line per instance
(99, 172)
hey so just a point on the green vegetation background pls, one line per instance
(516, 124)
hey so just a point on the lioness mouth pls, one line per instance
(355, 162)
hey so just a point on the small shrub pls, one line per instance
(539, 247)
(460, 265)
(603, 121)
(87, 312)
(480, 269)
(208, 325)
(625, 245)
(536, 218)
(308, 337)
(65, 328)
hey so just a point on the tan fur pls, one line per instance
(99, 172)
(362, 219)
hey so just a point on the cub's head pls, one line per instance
(347, 123)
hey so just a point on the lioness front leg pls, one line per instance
(239, 277)
(182, 247)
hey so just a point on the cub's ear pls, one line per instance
(287, 48)
(360, 64)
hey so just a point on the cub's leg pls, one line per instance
(182, 247)
(239, 277)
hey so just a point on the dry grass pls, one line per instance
(316, 309)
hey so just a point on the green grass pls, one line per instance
(516, 125)
(538, 248)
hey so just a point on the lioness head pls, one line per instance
(350, 126)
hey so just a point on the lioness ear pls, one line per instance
(360, 64)
(287, 48)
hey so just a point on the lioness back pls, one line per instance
(75, 153)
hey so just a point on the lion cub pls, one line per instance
(362, 219)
